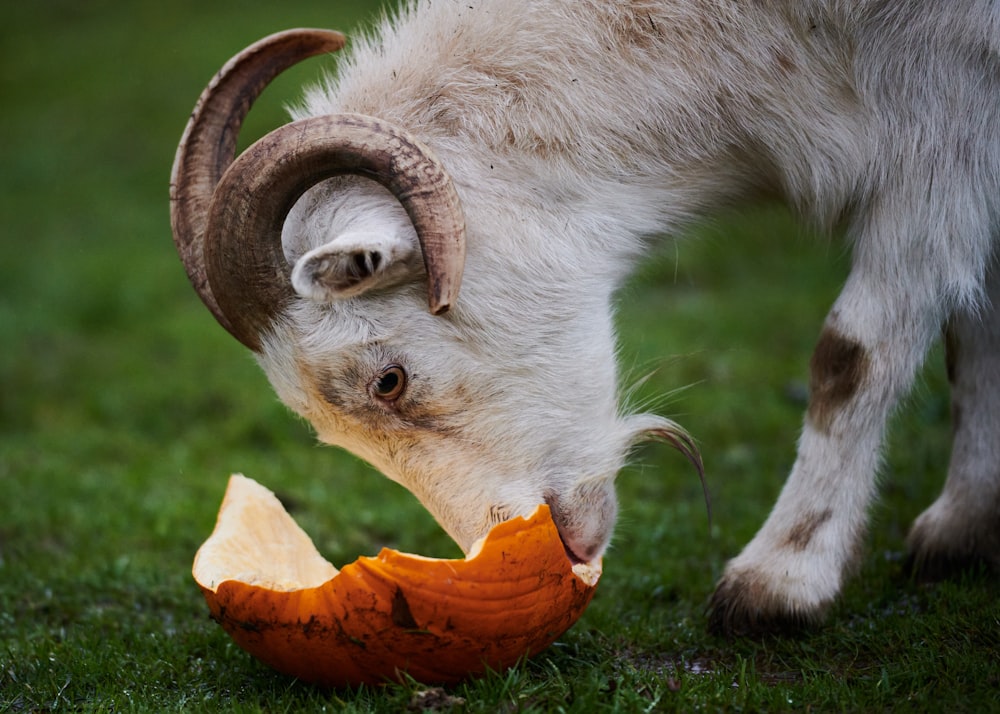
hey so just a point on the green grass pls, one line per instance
(123, 408)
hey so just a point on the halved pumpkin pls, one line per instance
(436, 620)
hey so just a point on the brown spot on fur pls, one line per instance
(802, 532)
(786, 65)
(838, 367)
(638, 27)
(346, 392)
(333, 392)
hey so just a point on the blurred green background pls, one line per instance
(123, 408)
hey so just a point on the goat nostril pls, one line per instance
(375, 258)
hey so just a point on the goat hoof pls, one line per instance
(927, 567)
(930, 561)
(742, 606)
(941, 548)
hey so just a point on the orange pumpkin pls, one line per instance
(436, 620)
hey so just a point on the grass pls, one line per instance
(123, 408)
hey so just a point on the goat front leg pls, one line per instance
(872, 343)
(962, 527)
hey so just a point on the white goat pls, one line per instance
(567, 132)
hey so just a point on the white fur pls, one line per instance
(574, 131)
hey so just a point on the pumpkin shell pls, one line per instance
(436, 620)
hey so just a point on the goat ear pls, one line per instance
(354, 263)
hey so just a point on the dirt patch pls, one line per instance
(673, 667)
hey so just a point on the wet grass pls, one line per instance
(123, 408)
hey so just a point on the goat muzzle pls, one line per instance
(227, 213)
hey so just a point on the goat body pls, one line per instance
(573, 131)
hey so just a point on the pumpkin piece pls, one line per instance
(437, 620)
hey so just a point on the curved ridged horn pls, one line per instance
(247, 269)
(235, 260)
(208, 144)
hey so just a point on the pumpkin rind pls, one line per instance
(437, 620)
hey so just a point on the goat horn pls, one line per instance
(209, 141)
(247, 269)
(235, 261)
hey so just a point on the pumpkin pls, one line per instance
(435, 620)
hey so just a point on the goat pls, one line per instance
(527, 151)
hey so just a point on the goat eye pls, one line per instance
(390, 383)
